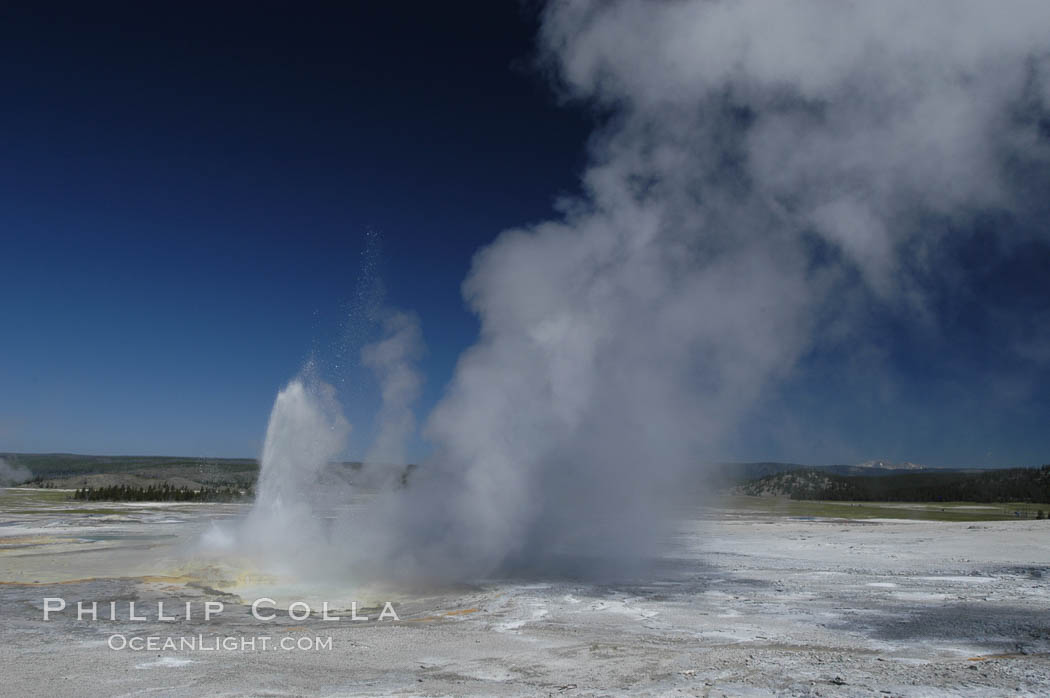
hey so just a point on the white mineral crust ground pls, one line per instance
(743, 604)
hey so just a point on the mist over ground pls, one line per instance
(13, 473)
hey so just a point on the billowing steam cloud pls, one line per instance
(13, 474)
(765, 170)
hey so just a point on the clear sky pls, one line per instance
(185, 198)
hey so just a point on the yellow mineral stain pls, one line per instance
(462, 612)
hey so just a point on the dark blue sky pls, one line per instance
(185, 195)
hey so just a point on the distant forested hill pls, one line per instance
(725, 475)
(104, 475)
(70, 470)
(1008, 485)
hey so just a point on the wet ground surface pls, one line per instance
(743, 604)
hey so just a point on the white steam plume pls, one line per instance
(13, 474)
(393, 360)
(766, 170)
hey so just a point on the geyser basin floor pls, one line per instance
(745, 604)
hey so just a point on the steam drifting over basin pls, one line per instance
(765, 179)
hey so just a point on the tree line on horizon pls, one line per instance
(162, 493)
(989, 486)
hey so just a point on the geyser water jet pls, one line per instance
(306, 433)
(302, 521)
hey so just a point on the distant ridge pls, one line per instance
(898, 485)
(891, 466)
(875, 467)
(729, 474)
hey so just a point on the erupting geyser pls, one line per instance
(301, 522)
(306, 433)
(298, 493)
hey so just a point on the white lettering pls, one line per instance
(93, 611)
(299, 604)
(212, 607)
(324, 613)
(255, 609)
(388, 610)
(49, 606)
(160, 612)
